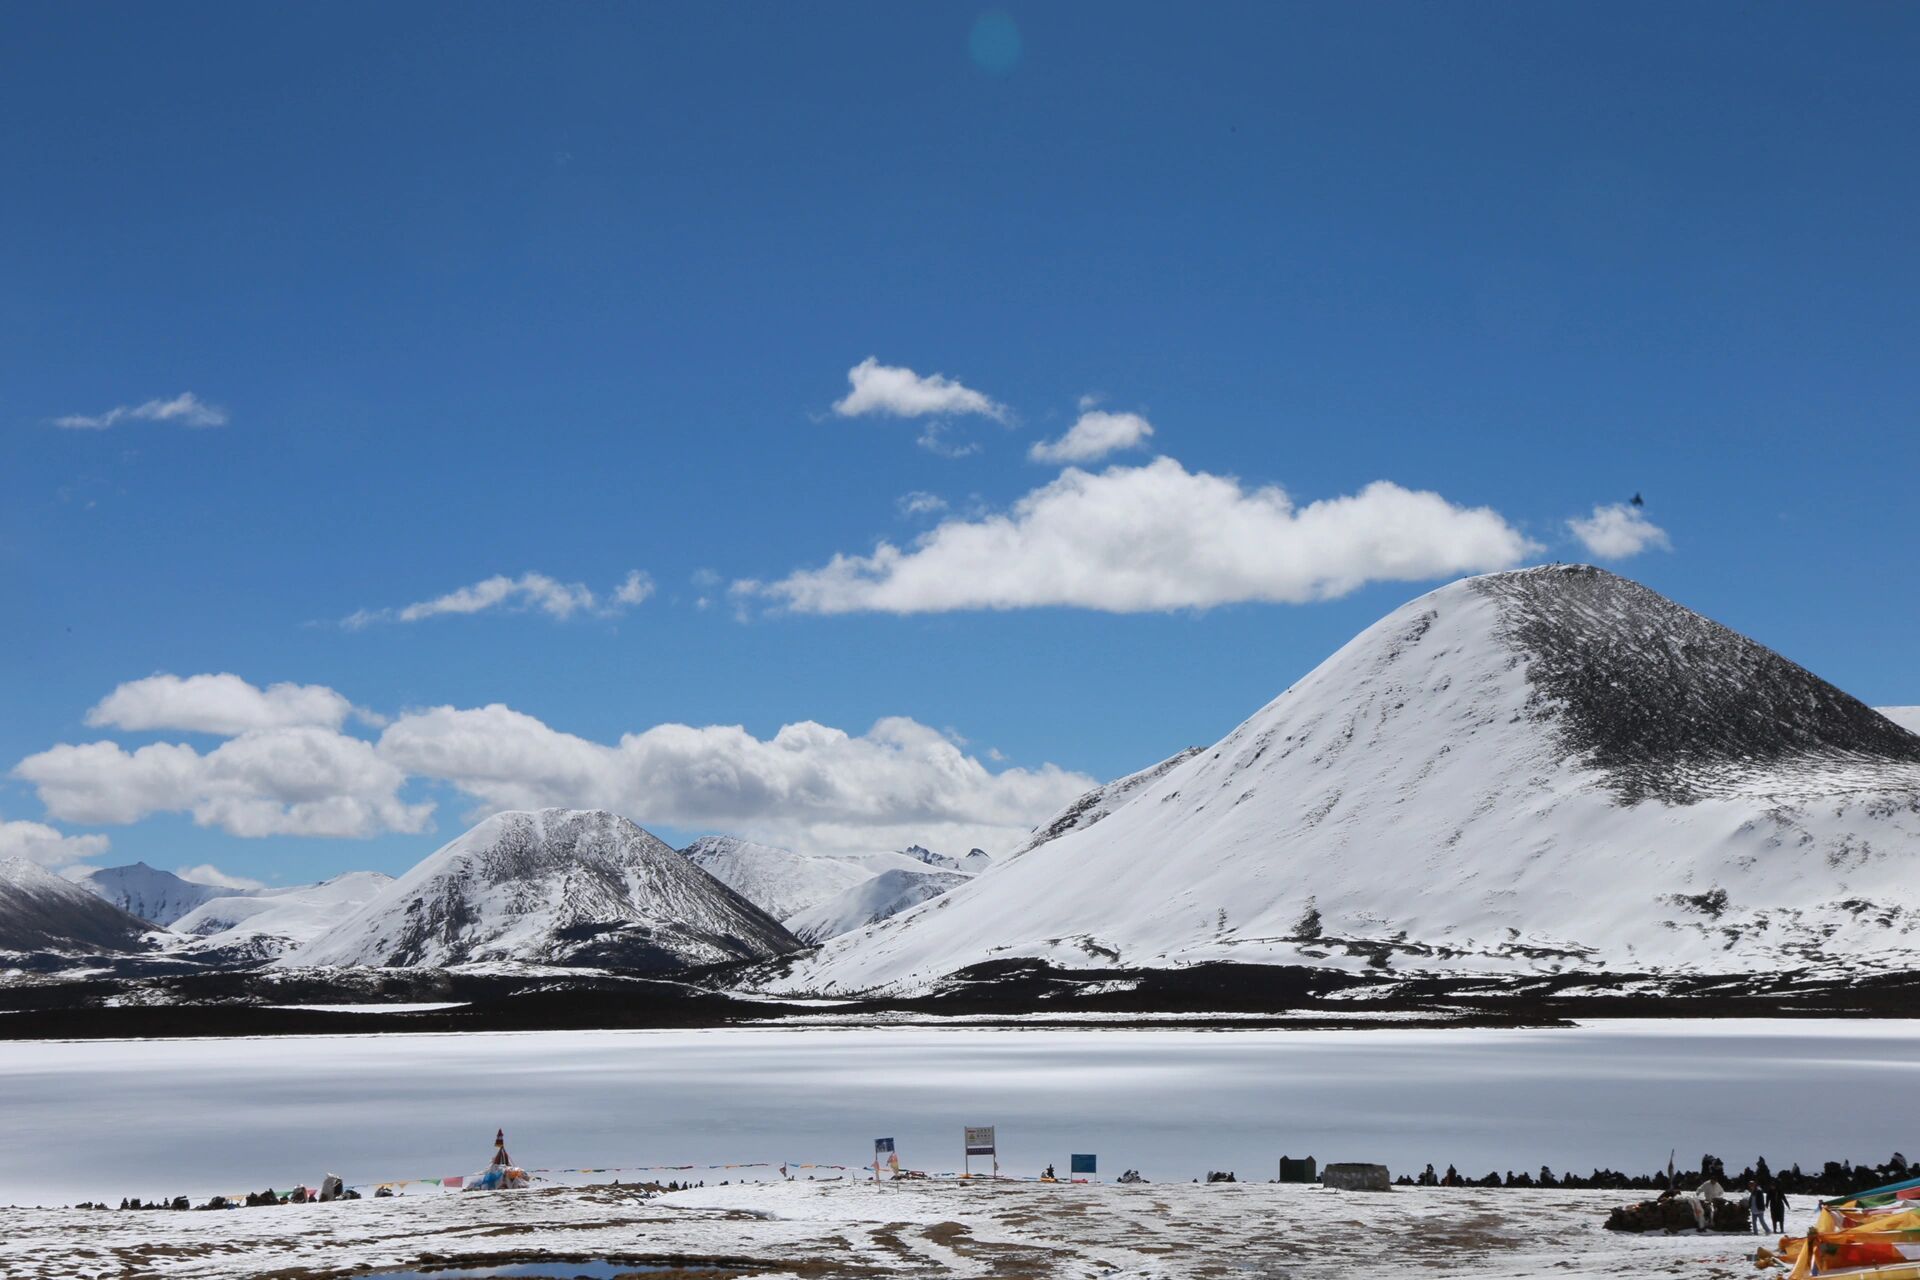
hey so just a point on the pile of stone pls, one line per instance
(1679, 1213)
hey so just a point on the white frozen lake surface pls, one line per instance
(102, 1120)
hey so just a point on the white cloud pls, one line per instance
(207, 873)
(223, 704)
(899, 392)
(529, 591)
(1158, 537)
(808, 786)
(634, 589)
(186, 409)
(1097, 434)
(301, 780)
(919, 503)
(1618, 531)
(38, 842)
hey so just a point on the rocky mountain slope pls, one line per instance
(557, 886)
(39, 911)
(1547, 770)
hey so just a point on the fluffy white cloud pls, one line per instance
(207, 873)
(1096, 434)
(223, 704)
(899, 392)
(186, 409)
(1618, 531)
(635, 589)
(302, 780)
(535, 591)
(1155, 537)
(809, 786)
(38, 842)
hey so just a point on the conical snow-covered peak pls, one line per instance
(554, 885)
(1544, 769)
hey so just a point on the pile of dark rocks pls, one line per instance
(1670, 1214)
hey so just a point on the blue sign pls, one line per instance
(882, 1146)
(1081, 1164)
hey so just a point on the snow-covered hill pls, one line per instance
(1543, 770)
(556, 885)
(874, 899)
(780, 882)
(160, 897)
(270, 922)
(39, 911)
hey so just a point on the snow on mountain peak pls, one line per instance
(1546, 769)
(554, 885)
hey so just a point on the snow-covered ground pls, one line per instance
(104, 1120)
(906, 1229)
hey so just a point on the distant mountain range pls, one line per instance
(238, 924)
(1543, 772)
(818, 896)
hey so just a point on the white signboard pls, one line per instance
(980, 1141)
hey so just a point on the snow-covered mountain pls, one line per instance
(874, 899)
(780, 882)
(976, 861)
(236, 924)
(39, 911)
(1545, 770)
(920, 853)
(160, 897)
(265, 923)
(562, 886)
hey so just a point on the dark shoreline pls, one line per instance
(1023, 994)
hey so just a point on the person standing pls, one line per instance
(1777, 1208)
(1757, 1207)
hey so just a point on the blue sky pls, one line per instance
(480, 291)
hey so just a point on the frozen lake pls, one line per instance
(102, 1120)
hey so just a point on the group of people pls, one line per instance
(1766, 1204)
(1766, 1200)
